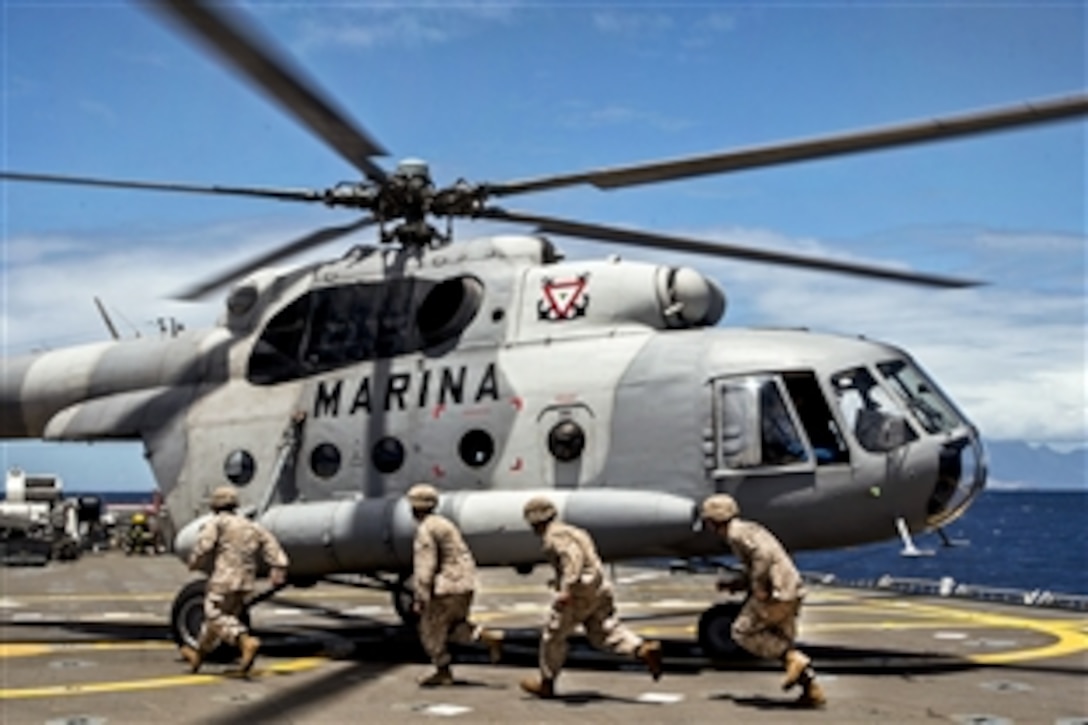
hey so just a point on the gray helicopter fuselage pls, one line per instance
(494, 367)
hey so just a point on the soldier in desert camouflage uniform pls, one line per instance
(767, 623)
(231, 547)
(583, 597)
(445, 583)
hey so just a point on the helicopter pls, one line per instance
(498, 370)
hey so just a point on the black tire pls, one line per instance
(403, 602)
(187, 616)
(715, 631)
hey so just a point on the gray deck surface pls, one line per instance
(87, 643)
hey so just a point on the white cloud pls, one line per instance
(49, 283)
(582, 115)
(631, 23)
(98, 110)
(384, 25)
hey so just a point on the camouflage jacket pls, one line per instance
(231, 547)
(571, 551)
(767, 566)
(441, 561)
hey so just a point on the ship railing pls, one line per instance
(948, 587)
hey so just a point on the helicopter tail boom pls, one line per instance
(101, 390)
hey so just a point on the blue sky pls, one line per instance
(496, 91)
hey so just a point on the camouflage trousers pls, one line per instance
(444, 619)
(221, 621)
(604, 630)
(767, 629)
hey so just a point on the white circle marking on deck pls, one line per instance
(949, 635)
(445, 710)
(369, 610)
(27, 616)
(660, 698)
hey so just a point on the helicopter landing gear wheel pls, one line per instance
(403, 593)
(715, 631)
(187, 617)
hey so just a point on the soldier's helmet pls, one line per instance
(224, 498)
(539, 510)
(720, 508)
(423, 497)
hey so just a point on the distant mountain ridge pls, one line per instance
(1020, 465)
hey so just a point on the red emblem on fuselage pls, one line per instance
(563, 299)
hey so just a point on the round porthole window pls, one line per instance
(239, 467)
(388, 455)
(476, 448)
(325, 460)
(566, 440)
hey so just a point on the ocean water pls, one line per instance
(1018, 539)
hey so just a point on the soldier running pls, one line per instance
(445, 583)
(583, 596)
(231, 546)
(767, 623)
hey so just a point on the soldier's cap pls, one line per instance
(539, 510)
(423, 496)
(224, 497)
(719, 508)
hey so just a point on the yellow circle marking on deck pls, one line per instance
(38, 649)
(155, 683)
(1067, 633)
(30, 649)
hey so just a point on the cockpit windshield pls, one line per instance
(877, 418)
(921, 396)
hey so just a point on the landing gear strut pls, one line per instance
(400, 588)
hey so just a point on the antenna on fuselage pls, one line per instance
(106, 318)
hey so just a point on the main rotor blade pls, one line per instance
(697, 246)
(283, 194)
(259, 60)
(820, 147)
(313, 239)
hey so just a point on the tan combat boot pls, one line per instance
(249, 646)
(544, 688)
(796, 663)
(650, 653)
(493, 639)
(193, 656)
(442, 677)
(813, 695)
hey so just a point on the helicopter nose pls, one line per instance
(961, 476)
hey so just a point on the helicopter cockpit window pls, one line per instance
(932, 409)
(276, 356)
(876, 418)
(756, 425)
(447, 309)
(823, 432)
(335, 326)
